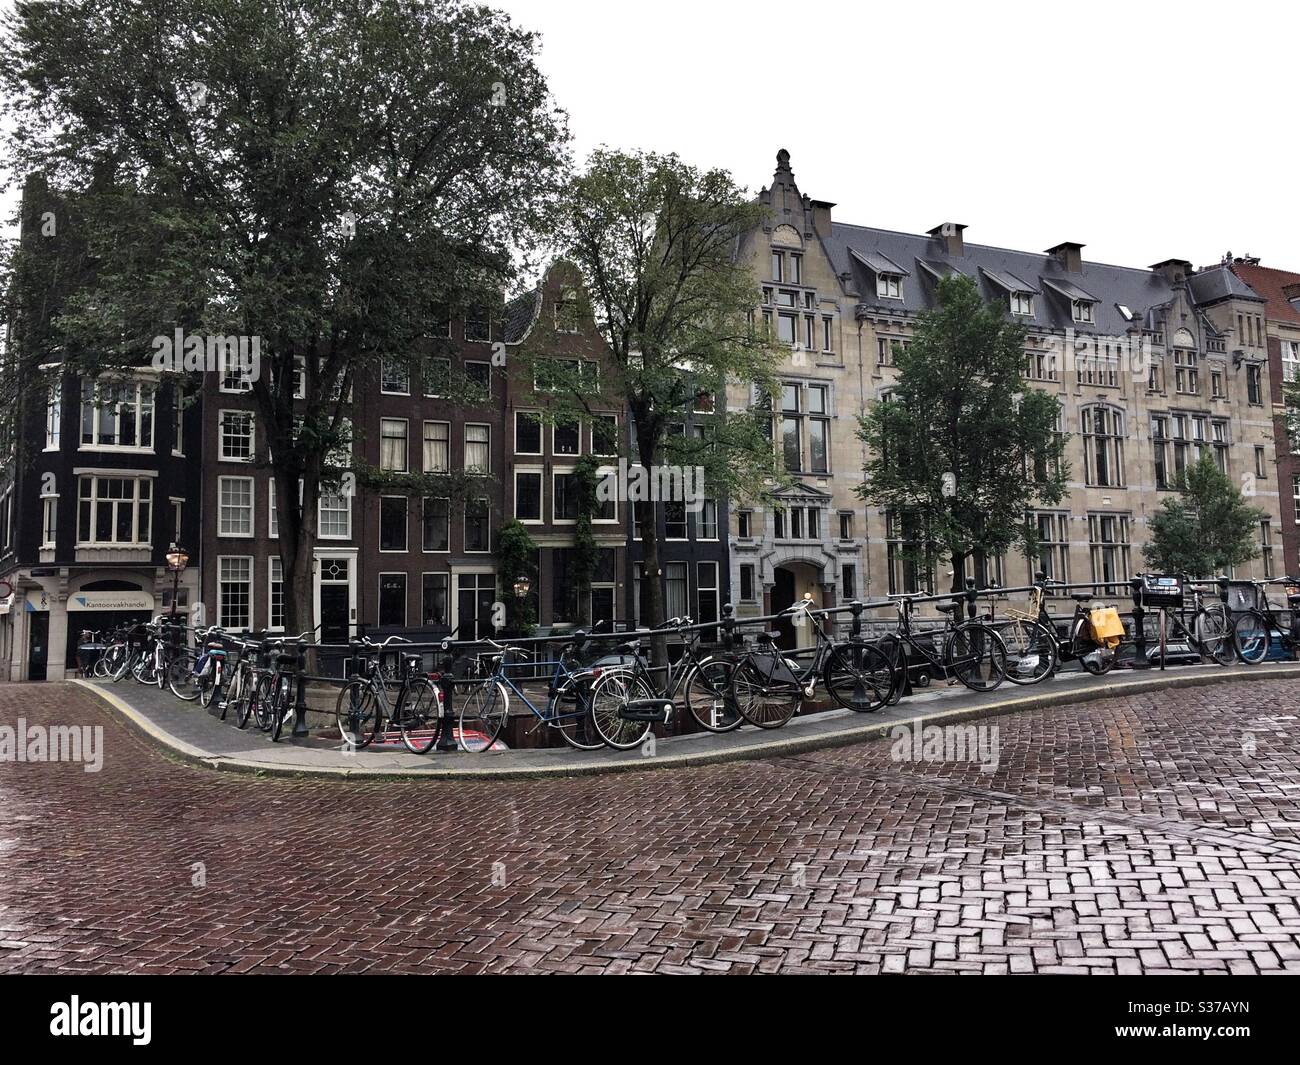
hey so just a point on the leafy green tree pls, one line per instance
(962, 448)
(1208, 528)
(655, 240)
(332, 178)
(515, 554)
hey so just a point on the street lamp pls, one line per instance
(522, 584)
(177, 560)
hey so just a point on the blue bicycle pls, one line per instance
(486, 706)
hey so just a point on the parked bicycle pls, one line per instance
(365, 710)
(568, 708)
(627, 703)
(970, 652)
(1253, 630)
(768, 686)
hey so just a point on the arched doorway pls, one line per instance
(790, 582)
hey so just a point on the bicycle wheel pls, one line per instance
(284, 707)
(122, 666)
(1094, 657)
(356, 713)
(761, 700)
(483, 715)
(976, 656)
(234, 692)
(1250, 631)
(1031, 650)
(208, 686)
(420, 719)
(181, 679)
(609, 695)
(569, 712)
(247, 704)
(859, 676)
(1213, 635)
(264, 709)
(707, 693)
(143, 669)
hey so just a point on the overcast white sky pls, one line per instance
(1143, 130)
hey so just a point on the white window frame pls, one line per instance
(141, 389)
(406, 595)
(566, 455)
(272, 564)
(1083, 311)
(222, 506)
(135, 501)
(251, 584)
(424, 447)
(49, 520)
(430, 550)
(383, 373)
(406, 539)
(406, 444)
(321, 509)
(540, 473)
(1022, 303)
(222, 436)
(466, 442)
(541, 432)
(464, 519)
(555, 497)
(889, 286)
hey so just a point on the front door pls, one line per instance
(335, 598)
(475, 594)
(38, 644)
(334, 611)
(783, 599)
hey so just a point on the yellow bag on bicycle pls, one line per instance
(1107, 627)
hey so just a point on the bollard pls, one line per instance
(447, 734)
(972, 596)
(1139, 628)
(728, 626)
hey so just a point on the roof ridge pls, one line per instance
(987, 247)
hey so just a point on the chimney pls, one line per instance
(950, 234)
(1069, 255)
(821, 215)
(1174, 271)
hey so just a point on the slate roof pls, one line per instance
(1144, 291)
(519, 314)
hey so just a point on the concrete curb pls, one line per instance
(774, 748)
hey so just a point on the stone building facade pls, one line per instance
(1152, 367)
(1281, 288)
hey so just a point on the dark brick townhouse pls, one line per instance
(1281, 289)
(100, 476)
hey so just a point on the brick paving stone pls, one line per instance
(1127, 835)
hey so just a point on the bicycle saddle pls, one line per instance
(773, 635)
(630, 648)
(1200, 589)
(1081, 597)
(946, 608)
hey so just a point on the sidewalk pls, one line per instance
(187, 731)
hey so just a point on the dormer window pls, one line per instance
(1022, 303)
(889, 286)
(1083, 311)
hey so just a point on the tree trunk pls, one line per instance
(652, 592)
(958, 562)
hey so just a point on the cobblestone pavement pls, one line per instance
(1150, 833)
